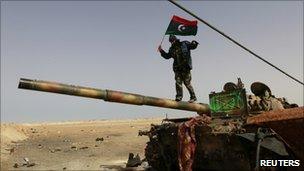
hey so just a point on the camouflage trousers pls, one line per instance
(180, 78)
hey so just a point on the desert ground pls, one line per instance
(85, 145)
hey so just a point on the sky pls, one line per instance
(113, 45)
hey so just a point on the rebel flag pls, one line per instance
(181, 26)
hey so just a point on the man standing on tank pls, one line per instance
(182, 65)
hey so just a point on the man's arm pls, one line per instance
(193, 45)
(163, 53)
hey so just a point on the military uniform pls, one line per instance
(182, 65)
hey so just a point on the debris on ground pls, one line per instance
(111, 167)
(16, 165)
(11, 150)
(26, 163)
(55, 149)
(82, 148)
(33, 130)
(111, 148)
(133, 161)
(99, 139)
(30, 164)
(73, 147)
(66, 140)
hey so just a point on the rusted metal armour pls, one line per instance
(111, 96)
(288, 123)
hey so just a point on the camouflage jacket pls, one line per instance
(180, 52)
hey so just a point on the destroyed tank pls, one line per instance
(235, 131)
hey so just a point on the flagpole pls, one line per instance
(161, 41)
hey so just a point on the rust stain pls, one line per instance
(277, 115)
(288, 123)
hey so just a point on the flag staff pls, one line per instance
(161, 42)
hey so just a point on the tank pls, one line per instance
(235, 131)
(242, 132)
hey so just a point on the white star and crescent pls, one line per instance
(181, 28)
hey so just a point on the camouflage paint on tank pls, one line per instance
(111, 96)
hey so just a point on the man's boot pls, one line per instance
(178, 98)
(192, 98)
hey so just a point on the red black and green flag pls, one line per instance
(181, 26)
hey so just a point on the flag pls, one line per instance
(182, 27)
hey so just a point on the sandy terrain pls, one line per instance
(91, 145)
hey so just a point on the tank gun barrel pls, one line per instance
(111, 95)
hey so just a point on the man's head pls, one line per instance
(172, 38)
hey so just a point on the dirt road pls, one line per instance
(90, 145)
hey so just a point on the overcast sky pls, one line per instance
(112, 45)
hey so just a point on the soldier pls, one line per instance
(182, 65)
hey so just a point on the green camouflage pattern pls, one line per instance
(111, 96)
(180, 78)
